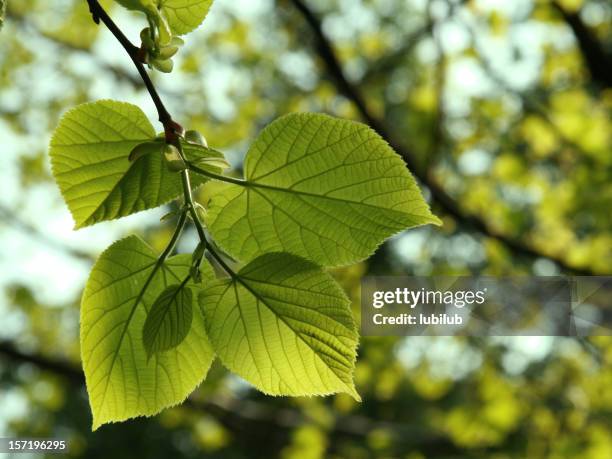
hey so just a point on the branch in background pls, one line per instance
(426, 177)
(247, 416)
(116, 71)
(438, 132)
(528, 101)
(597, 60)
(11, 218)
(389, 62)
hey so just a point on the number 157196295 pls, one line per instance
(27, 445)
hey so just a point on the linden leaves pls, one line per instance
(284, 325)
(90, 158)
(179, 16)
(167, 20)
(318, 192)
(123, 379)
(326, 189)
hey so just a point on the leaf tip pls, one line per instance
(95, 425)
(435, 220)
(149, 351)
(352, 391)
(80, 223)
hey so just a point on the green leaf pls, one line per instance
(195, 137)
(174, 160)
(121, 382)
(206, 158)
(326, 189)
(89, 158)
(182, 16)
(169, 320)
(163, 65)
(284, 325)
(144, 149)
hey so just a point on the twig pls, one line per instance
(173, 130)
(99, 14)
(10, 218)
(244, 414)
(117, 71)
(597, 60)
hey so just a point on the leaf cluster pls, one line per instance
(317, 192)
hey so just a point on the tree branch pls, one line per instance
(438, 133)
(529, 101)
(387, 63)
(118, 72)
(597, 60)
(246, 416)
(426, 177)
(173, 131)
(99, 14)
(10, 218)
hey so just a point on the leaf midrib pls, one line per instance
(174, 296)
(129, 319)
(111, 191)
(261, 299)
(248, 184)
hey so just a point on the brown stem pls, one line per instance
(172, 129)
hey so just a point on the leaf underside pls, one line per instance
(326, 189)
(183, 16)
(121, 382)
(284, 325)
(169, 319)
(89, 157)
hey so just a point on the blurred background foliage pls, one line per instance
(501, 109)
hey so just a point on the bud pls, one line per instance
(212, 162)
(196, 260)
(174, 161)
(147, 39)
(163, 65)
(200, 211)
(193, 136)
(198, 253)
(196, 275)
(164, 32)
(177, 41)
(167, 52)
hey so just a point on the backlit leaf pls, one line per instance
(182, 16)
(89, 157)
(326, 189)
(169, 320)
(121, 382)
(284, 325)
